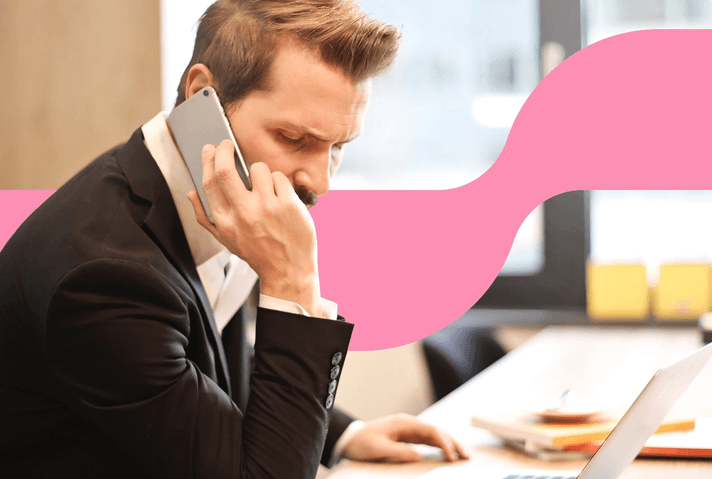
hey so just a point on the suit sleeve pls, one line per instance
(116, 339)
(339, 422)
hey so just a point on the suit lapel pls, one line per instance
(163, 223)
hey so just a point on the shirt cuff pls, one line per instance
(328, 308)
(342, 442)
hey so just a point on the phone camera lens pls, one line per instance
(206, 92)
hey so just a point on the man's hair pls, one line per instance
(237, 40)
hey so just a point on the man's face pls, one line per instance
(300, 125)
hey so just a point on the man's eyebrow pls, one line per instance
(309, 131)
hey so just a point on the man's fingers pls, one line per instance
(200, 213)
(282, 187)
(211, 186)
(460, 450)
(446, 444)
(389, 439)
(261, 178)
(226, 173)
(416, 432)
(433, 437)
(400, 452)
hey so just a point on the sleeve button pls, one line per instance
(336, 359)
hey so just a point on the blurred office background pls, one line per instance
(77, 77)
(80, 76)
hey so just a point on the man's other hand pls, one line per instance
(268, 227)
(386, 439)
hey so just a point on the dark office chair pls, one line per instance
(456, 354)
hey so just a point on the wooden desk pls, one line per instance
(613, 364)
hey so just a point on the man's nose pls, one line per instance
(315, 175)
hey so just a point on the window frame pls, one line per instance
(561, 283)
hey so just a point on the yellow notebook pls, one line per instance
(526, 427)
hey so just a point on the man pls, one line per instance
(123, 353)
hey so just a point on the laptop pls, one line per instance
(625, 441)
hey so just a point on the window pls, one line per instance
(561, 281)
(650, 227)
(441, 117)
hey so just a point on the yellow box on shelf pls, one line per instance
(683, 292)
(617, 291)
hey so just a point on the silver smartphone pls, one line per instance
(200, 121)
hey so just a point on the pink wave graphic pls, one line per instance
(629, 112)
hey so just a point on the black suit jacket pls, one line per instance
(110, 361)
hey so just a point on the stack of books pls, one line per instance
(564, 441)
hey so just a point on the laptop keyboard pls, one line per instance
(515, 476)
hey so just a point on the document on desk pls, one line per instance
(526, 428)
(627, 438)
(686, 444)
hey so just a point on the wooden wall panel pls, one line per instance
(77, 77)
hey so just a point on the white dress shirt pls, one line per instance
(227, 279)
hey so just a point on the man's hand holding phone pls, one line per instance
(269, 227)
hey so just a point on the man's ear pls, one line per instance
(199, 76)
